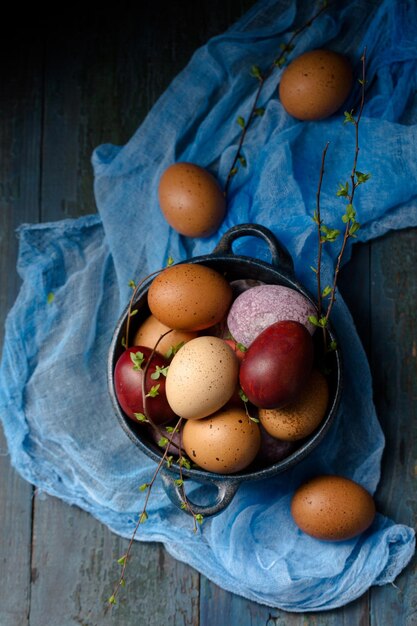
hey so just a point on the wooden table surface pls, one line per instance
(64, 90)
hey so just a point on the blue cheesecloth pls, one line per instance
(60, 427)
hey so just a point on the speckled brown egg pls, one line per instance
(191, 200)
(332, 508)
(300, 418)
(315, 84)
(201, 378)
(225, 443)
(189, 296)
(151, 330)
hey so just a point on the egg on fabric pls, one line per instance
(259, 307)
(300, 418)
(201, 378)
(191, 200)
(189, 296)
(332, 508)
(225, 443)
(315, 84)
(151, 330)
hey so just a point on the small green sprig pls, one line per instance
(137, 359)
(159, 371)
(153, 391)
(346, 192)
(141, 519)
(141, 417)
(165, 442)
(261, 76)
(245, 401)
(172, 350)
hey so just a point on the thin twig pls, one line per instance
(354, 184)
(129, 311)
(141, 518)
(319, 223)
(278, 62)
(145, 371)
(185, 501)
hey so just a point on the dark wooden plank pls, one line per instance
(394, 367)
(102, 77)
(20, 114)
(355, 287)
(75, 568)
(15, 544)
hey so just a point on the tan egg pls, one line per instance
(315, 84)
(226, 442)
(332, 508)
(201, 378)
(150, 331)
(191, 200)
(300, 418)
(189, 296)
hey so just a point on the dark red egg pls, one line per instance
(277, 365)
(128, 377)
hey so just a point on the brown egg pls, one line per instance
(201, 378)
(225, 442)
(315, 84)
(332, 508)
(150, 331)
(300, 418)
(191, 200)
(189, 296)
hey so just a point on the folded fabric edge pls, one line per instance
(69, 223)
(392, 567)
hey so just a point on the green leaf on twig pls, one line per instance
(137, 359)
(349, 119)
(255, 71)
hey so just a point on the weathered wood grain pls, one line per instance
(354, 284)
(394, 367)
(74, 571)
(15, 543)
(20, 128)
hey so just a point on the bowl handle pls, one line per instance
(225, 493)
(280, 256)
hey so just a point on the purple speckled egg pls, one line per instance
(259, 307)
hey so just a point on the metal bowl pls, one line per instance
(281, 272)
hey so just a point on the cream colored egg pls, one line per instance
(201, 378)
(152, 329)
(300, 418)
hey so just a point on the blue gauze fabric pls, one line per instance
(61, 431)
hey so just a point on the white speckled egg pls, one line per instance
(259, 307)
(202, 377)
